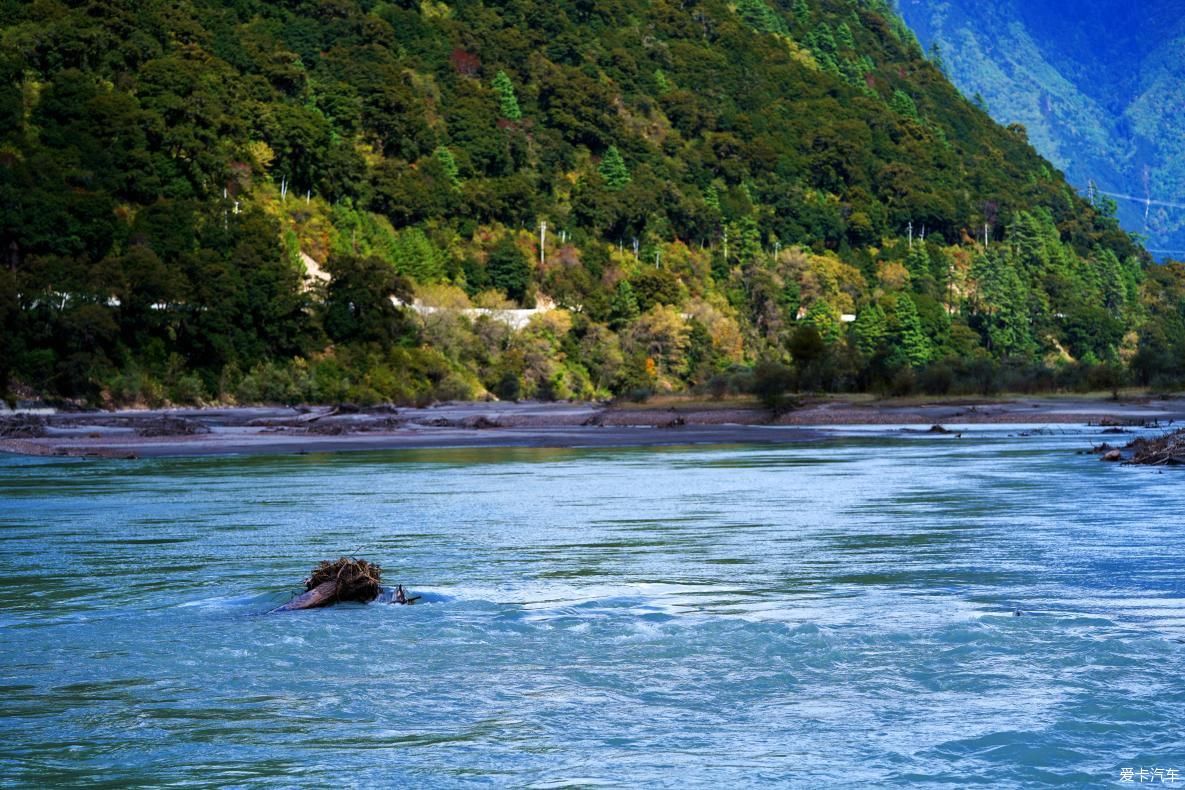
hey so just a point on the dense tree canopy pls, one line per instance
(715, 180)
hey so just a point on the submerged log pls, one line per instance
(321, 595)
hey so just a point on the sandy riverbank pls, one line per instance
(255, 430)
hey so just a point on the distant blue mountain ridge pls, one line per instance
(1099, 85)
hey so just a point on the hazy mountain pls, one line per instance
(1097, 84)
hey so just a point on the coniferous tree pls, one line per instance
(801, 11)
(613, 169)
(1004, 299)
(827, 61)
(760, 17)
(508, 269)
(712, 197)
(825, 319)
(625, 305)
(745, 240)
(1111, 279)
(507, 100)
(917, 261)
(823, 39)
(1027, 238)
(415, 256)
(448, 163)
(870, 330)
(904, 105)
(843, 36)
(907, 338)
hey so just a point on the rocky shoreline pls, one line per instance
(253, 430)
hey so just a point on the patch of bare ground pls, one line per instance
(667, 421)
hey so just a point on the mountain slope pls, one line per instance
(721, 183)
(1098, 90)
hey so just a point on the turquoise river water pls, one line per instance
(838, 612)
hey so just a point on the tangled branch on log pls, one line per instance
(335, 581)
(354, 580)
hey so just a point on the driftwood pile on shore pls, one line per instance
(337, 581)
(22, 426)
(1167, 450)
(170, 426)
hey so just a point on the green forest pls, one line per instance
(343, 201)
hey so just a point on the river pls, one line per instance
(831, 612)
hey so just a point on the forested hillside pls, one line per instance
(758, 196)
(1098, 88)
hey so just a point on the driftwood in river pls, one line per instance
(335, 581)
(1167, 450)
(321, 595)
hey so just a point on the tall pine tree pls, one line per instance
(870, 330)
(613, 169)
(507, 101)
(907, 338)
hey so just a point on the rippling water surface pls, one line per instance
(840, 611)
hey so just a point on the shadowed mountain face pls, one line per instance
(1098, 85)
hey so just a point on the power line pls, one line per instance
(1145, 201)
